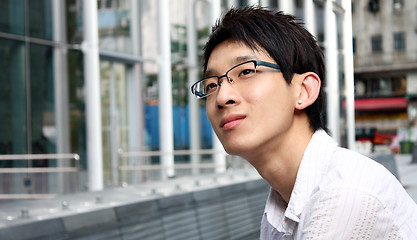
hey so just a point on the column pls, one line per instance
(287, 6)
(349, 74)
(332, 79)
(310, 16)
(92, 97)
(219, 158)
(135, 96)
(253, 2)
(61, 95)
(193, 103)
(166, 133)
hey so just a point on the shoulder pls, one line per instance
(342, 212)
(350, 169)
(352, 172)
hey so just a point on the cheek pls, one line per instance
(263, 96)
(210, 112)
(272, 103)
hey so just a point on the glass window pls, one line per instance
(114, 23)
(360, 88)
(42, 106)
(373, 6)
(11, 16)
(299, 3)
(398, 5)
(40, 19)
(74, 21)
(399, 41)
(354, 45)
(12, 99)
(399, 85)
(273, 4)
(380, 86)
(77, 104)
(242, 3)
(114, 97)
(383, 86)
(376, 43)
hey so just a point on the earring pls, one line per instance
(300, 102)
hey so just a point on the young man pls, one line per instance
(263, 81)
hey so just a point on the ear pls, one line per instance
(310, 84)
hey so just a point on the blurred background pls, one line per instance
(96, 94)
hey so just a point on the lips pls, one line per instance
(230, 121)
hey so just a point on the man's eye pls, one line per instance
(211, 87)
(247, 73)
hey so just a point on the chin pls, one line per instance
(235, 150)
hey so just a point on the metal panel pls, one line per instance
(35, 230)
(180, 225)
(224, 208)
(89, 220)
(151, 230)
(212, 221)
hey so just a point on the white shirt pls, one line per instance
(340, 194)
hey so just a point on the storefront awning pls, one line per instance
(376, 104)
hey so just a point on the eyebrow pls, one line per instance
(235, 61)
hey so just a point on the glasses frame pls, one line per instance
(257, 63)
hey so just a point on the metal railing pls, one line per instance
(141, 165)
(61, 167)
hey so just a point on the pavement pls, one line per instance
(407, 173)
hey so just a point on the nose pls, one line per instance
(227, 95)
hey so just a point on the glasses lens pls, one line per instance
(205, 87)
(243, 71)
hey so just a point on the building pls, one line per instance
(54, 101)
(385, 57)
(45, 95)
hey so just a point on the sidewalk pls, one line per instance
(408, 174)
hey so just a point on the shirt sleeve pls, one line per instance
(346, 214)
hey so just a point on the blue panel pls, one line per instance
(180, 125)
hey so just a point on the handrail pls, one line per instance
(26, 157)
(27, 196)
(38, 169)
(143, 165)
(40, 156)
(175, 153)
(176, 166)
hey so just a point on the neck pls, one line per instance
(279, 161)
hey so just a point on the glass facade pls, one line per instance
(11, 20)
(13, 102)
(114, 22)
(43, 94)
(42, 99)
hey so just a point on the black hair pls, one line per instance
(285, 40)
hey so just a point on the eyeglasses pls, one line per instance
(241, 72)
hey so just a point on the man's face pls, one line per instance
(253, 115)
